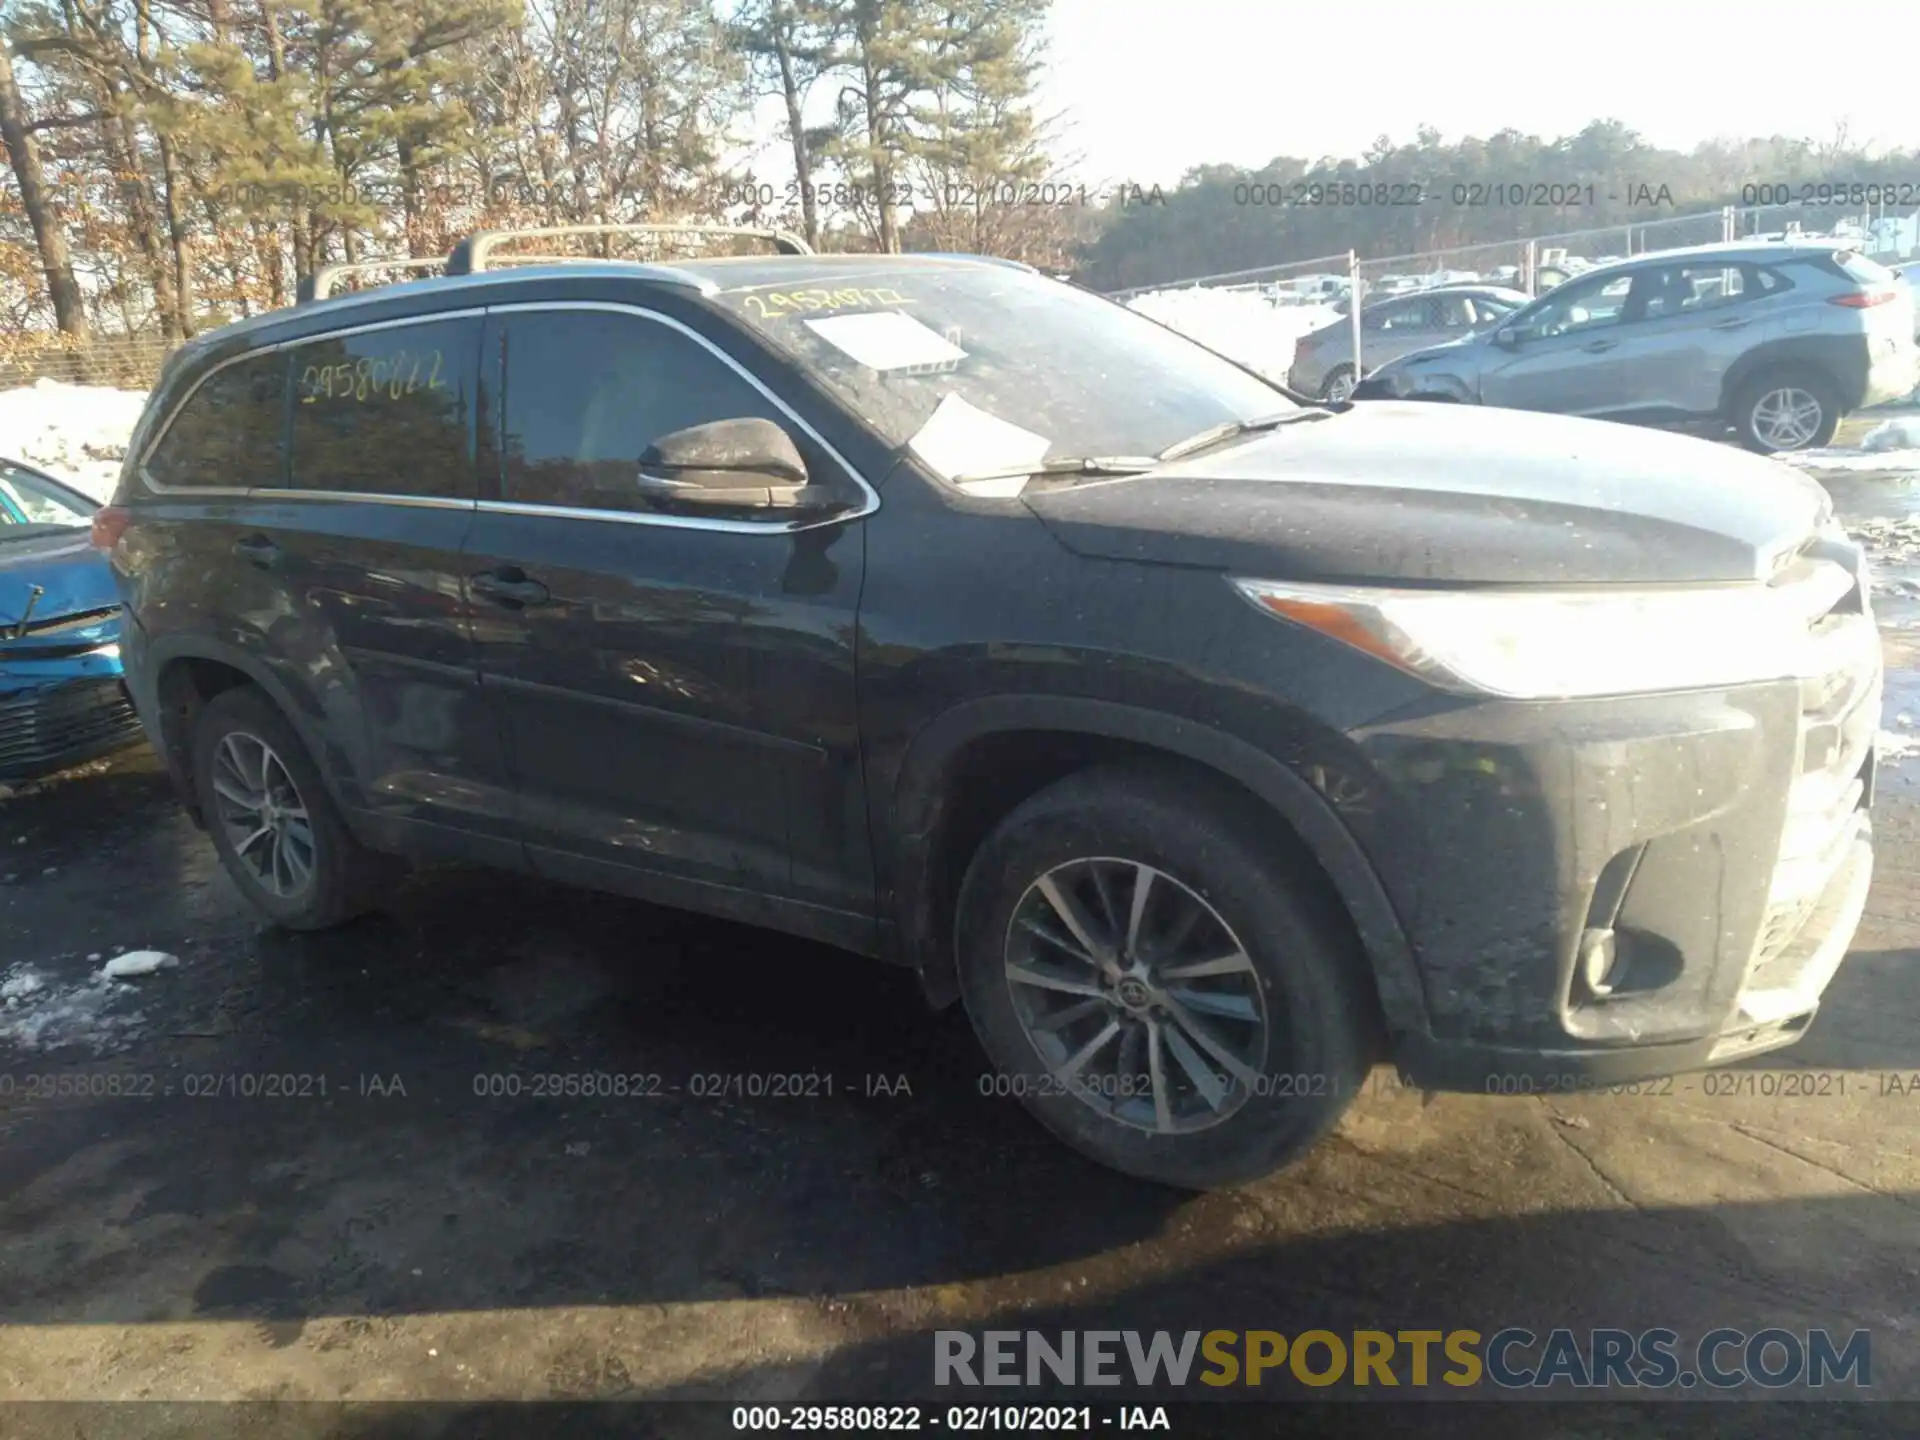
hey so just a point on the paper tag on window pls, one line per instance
(961, 439)
(887, 340)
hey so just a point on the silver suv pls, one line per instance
(1323, 360)
(1778, 340)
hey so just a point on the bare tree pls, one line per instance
(69, 312)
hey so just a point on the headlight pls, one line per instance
(1545, 644)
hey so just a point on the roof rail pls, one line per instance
(470, 255)
(319, 285)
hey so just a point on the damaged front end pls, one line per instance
(62, 701)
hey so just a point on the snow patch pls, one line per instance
(1871, 462)
(138, 962)
(1895, 747)
(76, 433)
(1240, 324)
(39, 1013)
(1900, 433)
(19, 984)
(1892, 445)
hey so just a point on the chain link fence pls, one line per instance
(124, 362)
(1302, 294)
(1257, 316)
(1540, 262)
(1891, 236)
(1293, 282)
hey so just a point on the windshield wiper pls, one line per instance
(1234, 429)
(1067, 465)
(34, 592)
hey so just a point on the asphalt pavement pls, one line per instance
(511, 1140)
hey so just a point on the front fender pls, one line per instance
(921, 790)
(1434, 385)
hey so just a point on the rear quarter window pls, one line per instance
(387, 412)
(227, 433)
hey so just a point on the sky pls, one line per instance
(1142, 90)
(1145, 89)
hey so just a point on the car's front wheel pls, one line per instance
(1159, 981)
(273, 823)
(1338, 386)
(1786, 410)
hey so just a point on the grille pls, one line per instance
(45, 729)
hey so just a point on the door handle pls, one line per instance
(1733, 324)
(509, 588)
(1594, 347)
(258, 550)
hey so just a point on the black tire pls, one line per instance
(1339, 372)
(1322, 1017)
(1752, 393)
(344, 878)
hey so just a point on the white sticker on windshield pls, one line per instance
(961, 439)
(887, 340)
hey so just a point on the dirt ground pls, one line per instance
(393, 1225)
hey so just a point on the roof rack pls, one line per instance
(319, 285)
(470, 255)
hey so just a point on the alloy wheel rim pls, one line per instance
(263, 814)
(1136, 995)
(1340, 387)
(1787, 418)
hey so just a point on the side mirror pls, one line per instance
(729, 465)
(1508, 337)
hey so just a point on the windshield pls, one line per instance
(27, 499)
(982, 367)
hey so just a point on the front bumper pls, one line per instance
(1307, 375)
(1716, 845)
(1893, 374)
(46, 728)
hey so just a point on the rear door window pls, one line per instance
(388, 411)
(1451, 312)
(1396, 315)
(1487, 309)
(1686, 289)
(227, 434)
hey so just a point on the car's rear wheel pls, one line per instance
(1786, 410)
(1337, 388)
(1158, 981)
(272, 821)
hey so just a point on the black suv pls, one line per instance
(1209, 745)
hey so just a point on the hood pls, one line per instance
(61, 561)
(1451, 494)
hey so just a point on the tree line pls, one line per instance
(1432, 195)
(177, 163)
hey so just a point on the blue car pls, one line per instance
(61, 697)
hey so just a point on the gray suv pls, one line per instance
(1779, 341)
(1323, 361)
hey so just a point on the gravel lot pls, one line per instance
(392, 1230)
